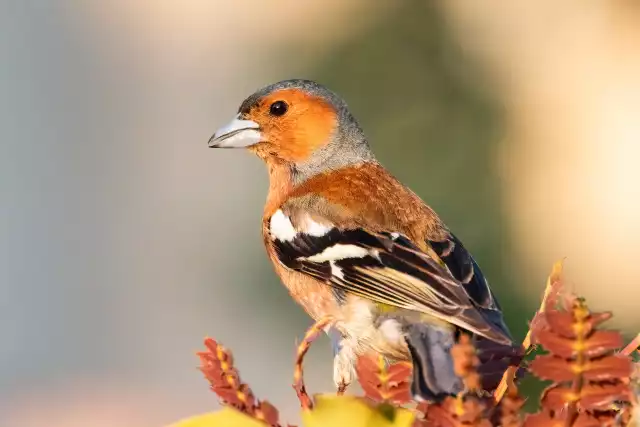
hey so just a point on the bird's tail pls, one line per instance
(433, 374)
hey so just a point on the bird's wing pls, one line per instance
(465, 270)
(388, 268)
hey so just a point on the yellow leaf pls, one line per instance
(225, 418)
(340, 411)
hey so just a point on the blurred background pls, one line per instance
(124, 240)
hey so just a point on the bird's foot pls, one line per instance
(344, 366)
(342, 388)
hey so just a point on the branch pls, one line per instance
(298, 374)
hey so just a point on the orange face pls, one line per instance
(292, 124)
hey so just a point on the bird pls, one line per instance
(349, 241)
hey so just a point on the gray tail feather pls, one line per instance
(433, 375)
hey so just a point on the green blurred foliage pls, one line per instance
(432, 122)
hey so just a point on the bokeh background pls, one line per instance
(124, 240)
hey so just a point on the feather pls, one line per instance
(385, 267)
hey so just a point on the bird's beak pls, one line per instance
(237, 133)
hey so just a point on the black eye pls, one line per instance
(278, 108)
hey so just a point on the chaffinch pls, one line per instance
(348, 240)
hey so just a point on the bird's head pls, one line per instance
(299, 124)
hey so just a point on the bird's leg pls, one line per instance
(344, 360)
(344, 366)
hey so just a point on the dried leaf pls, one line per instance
(555, 397)
(564, 324)
(599, 343)
(384, 383)
(602, 396)
(473, 413)
(587, 420)
(542, 419)
(439, 416)
(216, 363)
(553, 368)
(561, 322)
(269, 413)
(588, 377)
(399, 372)
(465, 362)
(545, 419)
(366, 370)
(608, 368)
(510, 407)
(468, 411)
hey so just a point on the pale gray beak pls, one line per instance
(238, 133)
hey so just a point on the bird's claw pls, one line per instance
(343, 367)
(342, 388)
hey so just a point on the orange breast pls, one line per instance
(314, 296)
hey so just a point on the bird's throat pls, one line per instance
(281, 183)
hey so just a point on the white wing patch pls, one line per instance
(338, 252)
(335, 270)
(281, 228)
(315, 229)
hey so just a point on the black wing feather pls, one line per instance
(465, 269)
(396, 272)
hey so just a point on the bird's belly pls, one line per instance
(315, 297)
(357, 319)
(366, 331)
